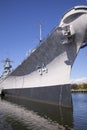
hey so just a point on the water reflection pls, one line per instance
(25, 115)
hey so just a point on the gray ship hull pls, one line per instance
(44, 75)
(55, 95)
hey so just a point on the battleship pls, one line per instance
(44, 76)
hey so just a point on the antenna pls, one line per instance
(7, 67)
(40, 32)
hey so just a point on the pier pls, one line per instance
(79, 90)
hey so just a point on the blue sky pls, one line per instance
(19, 28)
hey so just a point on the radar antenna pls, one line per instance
(7, 67)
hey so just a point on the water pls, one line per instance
(25, 115)
(80, 111)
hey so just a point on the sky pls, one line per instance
(19, 29)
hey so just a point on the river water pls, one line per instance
(24, 115)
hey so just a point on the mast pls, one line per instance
(7, 67)
(40, 32)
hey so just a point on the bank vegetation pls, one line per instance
(79, 87)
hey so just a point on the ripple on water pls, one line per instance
(13, 115)
(80, 111)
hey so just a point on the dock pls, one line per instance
(79, 90)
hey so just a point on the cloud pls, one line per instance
(79, 80)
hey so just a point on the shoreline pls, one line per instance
(79, 90)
